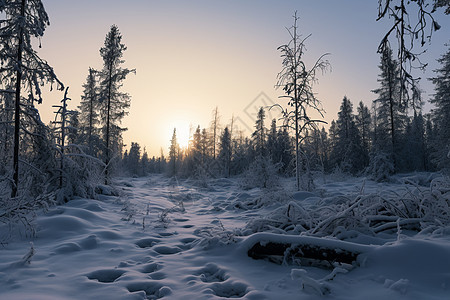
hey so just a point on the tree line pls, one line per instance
(83, 147)
(379, 140)
(47, 163)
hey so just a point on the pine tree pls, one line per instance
(134, 157)
(21, 68)
(430, 139)
(89, 107)
(113, 102)
(6, 131)
(441, 114)
(315, 149)
(348, 150)
(414, 151)
(325, 149)
(333, 140)
(390, 110)
(145, 163)
(363, 122)
(259, 135)
(197, 160)
(242, 155)
(174, 153)
(285, 151)
(272, 140)
(224, 157)
(74, 133)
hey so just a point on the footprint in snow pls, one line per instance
(166, 234)
(228, 289)
(158, 276)
(152, 289)
(150, 268)
(181, 220)
(166, 250)
(212, 273)
(105, 276)
(147, 242)
(187, 240)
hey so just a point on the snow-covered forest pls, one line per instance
(299, 208)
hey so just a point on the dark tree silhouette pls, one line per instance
(21, 67)
(408, 30)
(89, 106)
(114, 102)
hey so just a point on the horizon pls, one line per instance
(191, 58)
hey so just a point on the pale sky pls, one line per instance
(191, 56)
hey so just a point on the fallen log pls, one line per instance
(303, 250)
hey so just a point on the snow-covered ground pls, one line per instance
(175, 240)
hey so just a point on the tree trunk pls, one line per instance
(108, 111)
(91, 111)
(391, 82)
(63, 136)
(17, 108)
(297, 135)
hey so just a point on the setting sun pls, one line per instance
(184, 132)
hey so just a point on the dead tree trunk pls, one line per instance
(17, 107)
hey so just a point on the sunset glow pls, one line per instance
(193, 56)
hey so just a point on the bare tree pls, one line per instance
(62, 122)
(407, 30)
(442, 3)
(297, 82)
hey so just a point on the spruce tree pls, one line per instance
(114, 103)
(363, 122)
(390, 110)
(145, 163)
(224, 157)
(348, 150)
(134, 157)
(272, 140)
(441, 113)
(89, 107)
(259, 135)
(414, 150)
(174, 153)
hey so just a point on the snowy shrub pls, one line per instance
(19, 213)
(266, 198)
(338, 175)
(82, 175)
(261, 173)
(291, 218)
(419, 209)
(201, 177)
(380, 167)
(215, 236)
(433, 203)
